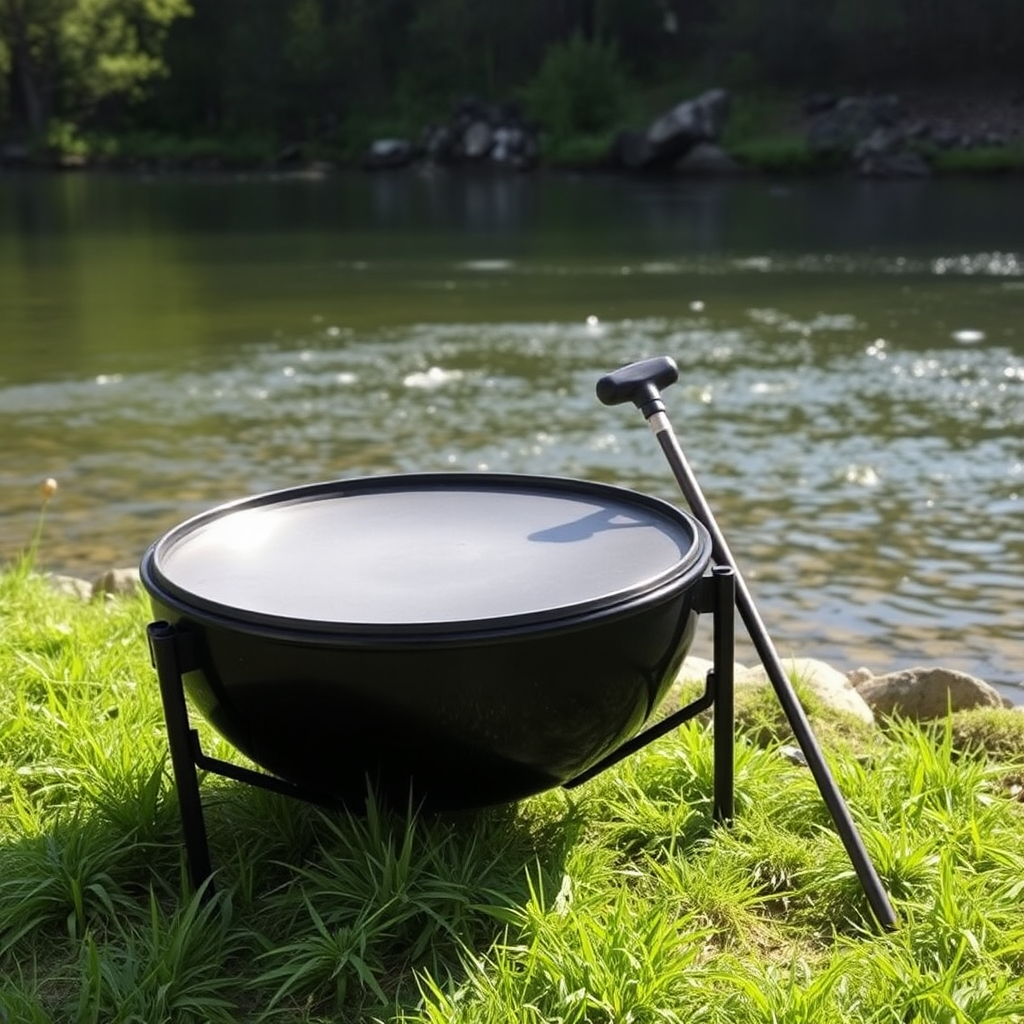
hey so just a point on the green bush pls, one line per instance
(63, 139)
(581, 88)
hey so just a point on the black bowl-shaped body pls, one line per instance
(452, 711)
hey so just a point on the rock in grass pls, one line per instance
(927, 693)
(696, 669)
(828, 685)
(116, 583)
(859, 676)
(689, 685)
(839, 722)
(71, 586)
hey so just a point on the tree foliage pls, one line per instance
(312, 69)
(64, 57)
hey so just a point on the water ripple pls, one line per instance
(876, 503)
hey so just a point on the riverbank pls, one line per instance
(624, 900)
(945, 132)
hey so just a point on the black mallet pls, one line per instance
(641, 384)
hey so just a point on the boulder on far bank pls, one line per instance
(845, 707)
(701, 119)
(885, 153)
(708, 159)
(880, 136)
(477, 134)
(925, 693)
(872, 132)
(838, 127)
(389, 154)
(673, 135)
(830, 686)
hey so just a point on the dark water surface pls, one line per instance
(852, 360)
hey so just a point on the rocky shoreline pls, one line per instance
(922, 693)
(871, 134)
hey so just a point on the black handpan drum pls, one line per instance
(468, 638)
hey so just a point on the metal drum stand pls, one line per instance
(174, 654)
(722, 590)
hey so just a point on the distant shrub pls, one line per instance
(581, 88)
(63, 139)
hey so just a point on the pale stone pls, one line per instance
(695, 670)
(477, 140)
(859, 676)
(926, 693)
(117, 583)
(698, 120)
(793, 754)
(385, 154)
(72, 586)
(826, 682)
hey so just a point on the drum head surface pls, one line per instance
(422, 550)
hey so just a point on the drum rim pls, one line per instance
(680, 577)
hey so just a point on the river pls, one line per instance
(851, 355)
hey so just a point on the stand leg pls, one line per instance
(163, 643)
(720, 599)
(724, 661)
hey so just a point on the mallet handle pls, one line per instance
(640, 383)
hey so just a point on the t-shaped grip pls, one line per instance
(639, 383)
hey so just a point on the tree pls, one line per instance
(64, 56)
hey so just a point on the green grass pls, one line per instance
(983, 160)
(783, 154)
(147, 148)
(577, 151)
(619, 902)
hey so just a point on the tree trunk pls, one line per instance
(28, 105)
(586, 16)
(28, 94)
